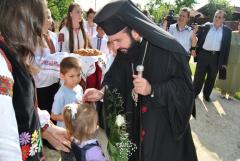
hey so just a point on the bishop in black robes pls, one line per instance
(159, 125)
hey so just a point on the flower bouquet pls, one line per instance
(119, 146)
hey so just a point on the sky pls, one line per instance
(86, 4)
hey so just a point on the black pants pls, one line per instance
(46, 96)
(45, 100)
(207, 65)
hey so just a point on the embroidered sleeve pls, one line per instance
(6, 86)
(9, 140)
(6, 80)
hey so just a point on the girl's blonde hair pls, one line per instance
(82, 124)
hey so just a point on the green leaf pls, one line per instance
(119, 144)
(59, 8)
(114, 153)
(159, 8)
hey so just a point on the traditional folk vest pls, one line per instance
(25, 107)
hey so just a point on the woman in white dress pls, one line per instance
(46, 84)
(74, 35)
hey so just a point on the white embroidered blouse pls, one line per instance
(78, 40)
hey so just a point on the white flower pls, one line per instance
(120, 120)
(33, 149)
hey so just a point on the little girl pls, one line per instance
(81, 122)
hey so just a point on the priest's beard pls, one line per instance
(133, 46)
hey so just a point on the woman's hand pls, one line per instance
(57, 137)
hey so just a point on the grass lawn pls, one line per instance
(193, 68)
(237, 95)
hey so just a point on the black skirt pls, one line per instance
(46, 95)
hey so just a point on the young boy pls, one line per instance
(69, 92)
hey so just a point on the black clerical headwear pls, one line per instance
(116, 15)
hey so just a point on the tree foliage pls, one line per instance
(183, 3)
(214, 5)
(160, 8)
(59, 8)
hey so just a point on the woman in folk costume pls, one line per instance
(91, 27)
(232, 83)
(46, 84)
(22, 131)
(74, 35)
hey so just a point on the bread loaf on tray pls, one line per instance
(87, 52)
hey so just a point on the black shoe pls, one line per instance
(208, 99)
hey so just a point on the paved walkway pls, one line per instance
(216, 131)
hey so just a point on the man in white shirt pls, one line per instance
(184, 33)
(212, 54)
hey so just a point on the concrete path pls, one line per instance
(216, 131)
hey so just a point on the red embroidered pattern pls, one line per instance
(6, 86)
(25, 152)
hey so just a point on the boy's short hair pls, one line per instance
(69, 63)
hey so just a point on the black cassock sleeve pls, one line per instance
(115, 77)
(177, 94)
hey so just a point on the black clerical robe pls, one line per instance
(160, 124)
